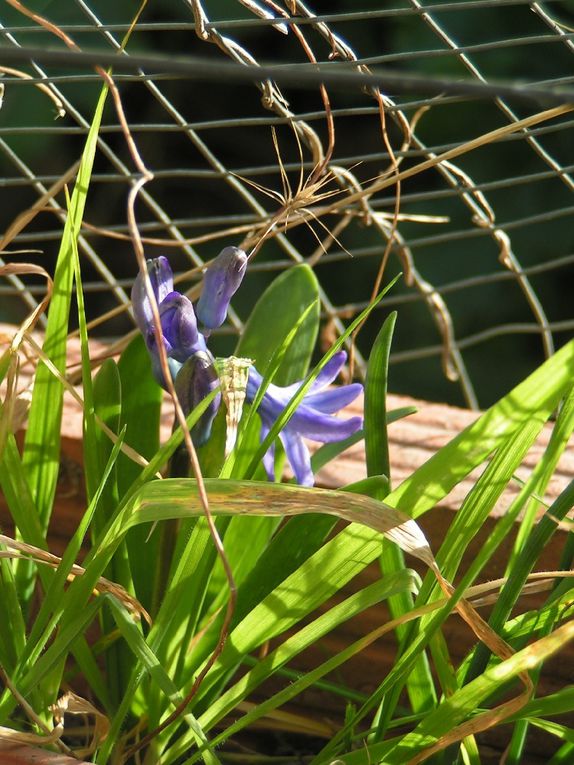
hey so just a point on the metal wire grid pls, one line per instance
(540, 168)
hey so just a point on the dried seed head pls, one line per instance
(233, 374)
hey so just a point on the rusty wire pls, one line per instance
(451, 189)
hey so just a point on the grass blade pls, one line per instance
(376, 439)
(140, 415)
(41, 457)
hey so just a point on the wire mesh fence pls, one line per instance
(440, 145)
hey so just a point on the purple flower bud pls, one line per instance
(161, 277)
(195, 380)
(178, 323)
(179, 326)
(221, 281)
(173, 365)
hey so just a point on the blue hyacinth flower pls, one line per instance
(192, 366)
(313, 418)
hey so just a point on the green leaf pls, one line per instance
(41, 457)
(420, 685)
(12, 625)
(154, 668)
(533, 547)
(376, 439)
(141, 407)
(52, 605)
(533, 398)
(107, 406)
(53, 656)
(90, 433)
(291, 647)
(274, 316)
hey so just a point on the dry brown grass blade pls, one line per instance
(24, 218)
(531, 657)
(14, 736)
(125, 448)
(171, 243)
(538, 581)
(69, 703)
(40, 85)
(30, 739)
(16, 549)
(463, 148)
(289, 722)
(15, 407)
(72, 704)
(26, 269)
(10, 412)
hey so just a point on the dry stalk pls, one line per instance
(127, 450)
(298, 32)
(15, 406)
(293, 205)
(21, 550)
(272, 98)
(29, 738)
(26, 217)
(40, 85)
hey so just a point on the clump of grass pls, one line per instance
(169, 641)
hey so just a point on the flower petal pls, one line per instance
(161, 276)
(333, 399)
(312, 419)
(269, 456)
(274, 399)
(325, 377)
(253, 384)
(298, 456)
(330, 371)
(323, 427)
